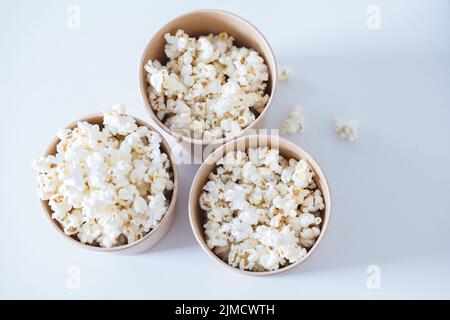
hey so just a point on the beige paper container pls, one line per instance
(203, 22)
(151, 238)
(287, 150)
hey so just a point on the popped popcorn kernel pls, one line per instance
(284, 74)
(294, 122)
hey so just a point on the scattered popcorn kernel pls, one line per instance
(347, 129)
(209, 88)
(284, 74)
(295, 122)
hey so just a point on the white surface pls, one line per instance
(390, 189)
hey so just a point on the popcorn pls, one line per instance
(295, 122)
(209, 88)
(109, 186)
(347, 129)
(302, 175)
(313, 202)
(284, 74)
(262, 211)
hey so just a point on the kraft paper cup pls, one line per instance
(288, 150)
(151, 238)
(204, 22)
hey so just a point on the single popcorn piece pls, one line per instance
(107, 186)
(295, 122)
(209, 88)
(347, 129)
(284, 74)
(263, 212)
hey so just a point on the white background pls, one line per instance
(390, 189)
